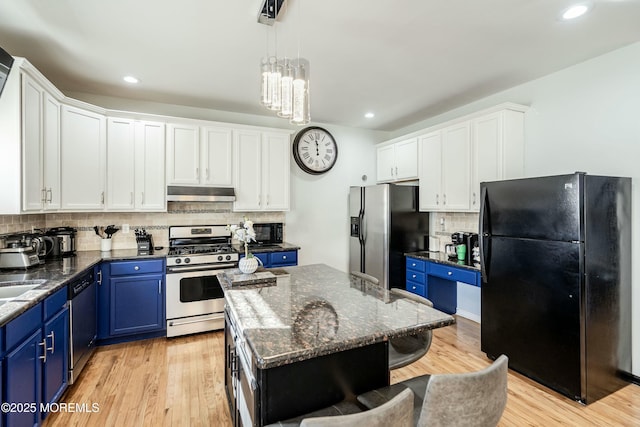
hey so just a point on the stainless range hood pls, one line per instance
(177, 193)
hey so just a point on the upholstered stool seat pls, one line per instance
(473, 399)
(396, 412)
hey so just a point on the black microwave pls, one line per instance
(268, 233)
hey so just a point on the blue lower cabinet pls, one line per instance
(415, 277)
(56, 365)
(131, 300)
(438, 282)
(277, 259)
(23, 381)
(136, 304)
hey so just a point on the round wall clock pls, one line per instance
(314, 150)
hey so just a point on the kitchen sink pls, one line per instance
(13, 289)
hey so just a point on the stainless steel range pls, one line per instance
(195, 300)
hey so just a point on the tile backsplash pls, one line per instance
(156, 223)
(442, 224)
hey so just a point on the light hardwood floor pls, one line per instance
(180, 382)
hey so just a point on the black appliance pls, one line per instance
(268, 233)
(6, 61)
(555, 256)
(83, 323)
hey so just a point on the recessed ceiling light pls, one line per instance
(130, 79)
(575, 11)
(369, 115)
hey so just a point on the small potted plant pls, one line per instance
(244, 233)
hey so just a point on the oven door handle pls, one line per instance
(200, 268)
(188, 322)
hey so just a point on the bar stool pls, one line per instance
(397, 412)
(407, 349)
(473, 399)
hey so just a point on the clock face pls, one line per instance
(315, 150)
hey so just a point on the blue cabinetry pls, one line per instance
(131, 298)
(277, 259)
(35, 366)
(438, 282)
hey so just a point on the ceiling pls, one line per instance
(404, 60)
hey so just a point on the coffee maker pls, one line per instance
(469, 240)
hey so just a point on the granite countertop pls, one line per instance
(275, 247)
(442, 258)
(57, 273)
(314, 310)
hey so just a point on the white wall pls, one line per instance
(584, 118)
(318, 220)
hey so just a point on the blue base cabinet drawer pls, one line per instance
(276, 259)
(417, 288)
(453, 273)
(125, 268)
(416, 265)
(282, 259)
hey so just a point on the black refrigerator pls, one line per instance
(555, 256)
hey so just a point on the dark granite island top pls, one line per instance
(316, 310)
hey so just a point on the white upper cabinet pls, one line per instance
(261, 170)
(151, 191)
(82, 159)
(135, 165)
(397, 161)
(40, 147)
(199, 155)
(455, 159)
(498, 150)
(183, 154)
(444, 169)
(456, 167)
(120, 164)
(216, 156)
(430, 171)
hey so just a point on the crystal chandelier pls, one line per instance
(284, 82)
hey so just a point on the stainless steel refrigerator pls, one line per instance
(385, 224)
(555, 255)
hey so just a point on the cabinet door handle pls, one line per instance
(197, 173)
(206, 174)
(413, 287)
(474, 197)
(444, 199)
(413, 276)
(267, 200)
(142, 196)
(53, 342)
(392, 171)
(44, 351)
(159, 287)
(102, 198)
(136, 268)
(437, 199)
(413, 264)
(259, 200)
(50, 193)
(99, 277)
(396, 171)
(43, 195)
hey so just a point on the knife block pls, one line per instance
(145, 244)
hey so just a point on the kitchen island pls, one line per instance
(309, 339)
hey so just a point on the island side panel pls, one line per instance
(298, 388)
